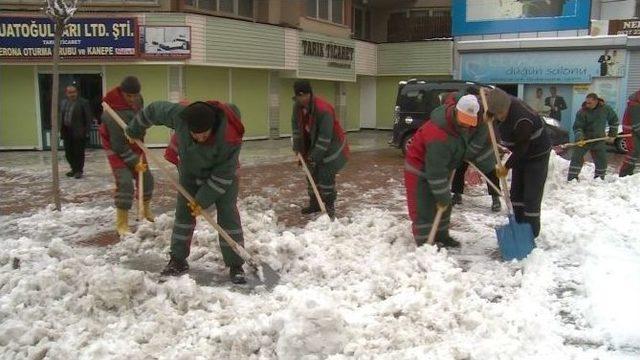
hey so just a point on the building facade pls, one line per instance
(550, 54)
(241, 51)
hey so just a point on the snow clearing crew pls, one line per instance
(319, 138)
(591, 121)
(126, 159)
(209, 138)
(437, 149)
(631, 125)
(523, 132)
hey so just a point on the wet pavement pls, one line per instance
(267, 170)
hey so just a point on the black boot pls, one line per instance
(175, 267)
(447, 242)
(331, 209)
(236, 274)
(313, 207)
(456, 199)
(495, 203)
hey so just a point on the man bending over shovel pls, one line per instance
(437, 149)
(209, 137)
(522, 131)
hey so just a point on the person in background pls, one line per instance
(591, 122)
(319, 138)
(126, 159)
(75, 118)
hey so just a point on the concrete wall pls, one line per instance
(624, 9)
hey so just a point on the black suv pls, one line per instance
(415, 100)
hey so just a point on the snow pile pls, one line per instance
(355, 287)
(312, 327)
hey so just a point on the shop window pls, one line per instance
(419, 24)
(361, 23)
(336, 11)
(242, 8)
(245, 8)
(329, 10)
(225, 6)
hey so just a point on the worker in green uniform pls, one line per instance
(209, 138)
(591, 122)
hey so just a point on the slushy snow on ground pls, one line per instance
(353, 288)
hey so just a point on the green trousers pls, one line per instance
(325, 178)
(598, 153)
(124, 187)
(421, 204)
(228, 219)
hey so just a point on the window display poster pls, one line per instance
(554, 101)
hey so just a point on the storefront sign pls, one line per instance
(629, 27)
(165, 42)
(340, 56)
(22, 37)
(552, 67)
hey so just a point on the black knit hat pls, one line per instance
(301, 87)
(199, 116)
(130, 85)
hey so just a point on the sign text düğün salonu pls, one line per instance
(332, 51)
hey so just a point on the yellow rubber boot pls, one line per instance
(122, 221)
(147, 211)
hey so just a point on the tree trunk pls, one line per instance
(55, 94)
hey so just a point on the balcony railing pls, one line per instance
(401, 28)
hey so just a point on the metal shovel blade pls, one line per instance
(269, 277)
(516, 240)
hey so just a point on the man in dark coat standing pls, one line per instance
(75, 117)
(556, 103)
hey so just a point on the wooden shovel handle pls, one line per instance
(494, 144)
(313, 183)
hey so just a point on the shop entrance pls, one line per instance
(89, 87)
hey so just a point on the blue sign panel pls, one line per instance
(478, 17)
(552, 67)
(22, 37)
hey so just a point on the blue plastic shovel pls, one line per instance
(516, 240)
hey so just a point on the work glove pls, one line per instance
(612, 133)
(195, 209)
(501, 171)
(581, 143)
(141, 167)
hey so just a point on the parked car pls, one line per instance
(414, 102)
(179, 43)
